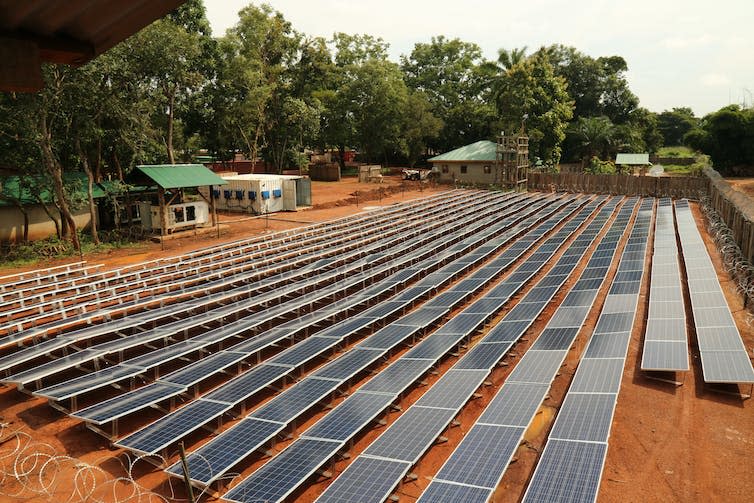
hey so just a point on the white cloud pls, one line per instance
(682, 42)
(715, 80)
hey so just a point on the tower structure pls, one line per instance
(512, 161)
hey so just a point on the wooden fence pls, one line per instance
(667, 186)
(735, 208)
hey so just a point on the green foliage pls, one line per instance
(598, 167)
(530, 91)
(674, 124)
(676, 151)
(727, 136)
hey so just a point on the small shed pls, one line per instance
(633, 161)
(473, 163)
(173, 212)
(262, 193)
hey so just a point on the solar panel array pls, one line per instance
(665, 341)
(246, 384)
(361, 407)
(723, 354)
(571, 464)
(481, 458)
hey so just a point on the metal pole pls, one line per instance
(186, 477)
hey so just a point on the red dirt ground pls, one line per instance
(668, 443)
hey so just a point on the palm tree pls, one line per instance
(507, 59)
(595, 135)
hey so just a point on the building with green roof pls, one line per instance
(473, 163)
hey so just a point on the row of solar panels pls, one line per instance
(665, 341)
(275, 287)
(474, 469)
(113, 302)
(214, 459)
(723, 354)
(570, 467)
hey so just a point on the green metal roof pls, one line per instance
(175, 176)
(483, 150)
(633, 159)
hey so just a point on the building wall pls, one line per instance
(40, 225)
(475, 171)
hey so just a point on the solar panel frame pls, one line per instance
(514, 405)
(304, 394)
(397, 376)
(440, 491)
(585, 416)
(366, 480)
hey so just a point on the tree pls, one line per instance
(455, 80)
(674, 124)
(594, 137)
(531, 92)
(420, 126)
(727, 136)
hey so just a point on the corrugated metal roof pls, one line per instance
(483, 150)
(632, 159)
(176, 176)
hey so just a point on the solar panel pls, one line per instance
(627, 287)
(94, 380)
(665, 355)
(389, 336)
(568, 472)
(615, 322)
(713, 317)
(482, 456)
(514, 405)
(537, 367)
(507, 331)
(366, 480)
(289, 405)
(584, 417)
(719, 339)
(396, 377)
(284, 473)
(411, 434)
(435, 346)
(666, 330)
(170, 428)
(484, 355)
(349, 417)
(556, 338)
(444, 492)
(248, 383)
(214, 459)
(304, 351)
(122, 405)
(619, 304)
(524, 311)
(422, 317)
(453, 389)
(598, 375)
(349, 364)
(726, 366)
(463, 324)
(199, 370)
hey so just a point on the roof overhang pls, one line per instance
(72, 32)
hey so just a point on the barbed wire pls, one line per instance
(32, 470)
(734, 261)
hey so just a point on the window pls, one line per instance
(444, 168)
(464, 169)
(487, 170)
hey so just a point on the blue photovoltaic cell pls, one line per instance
(350, 416)
(524, 311)
(598, 375)
(411, 434)
(422, 317)
(366, 480)
(482, 455)
(555, 338)
(453, 389)
(514, 405)
(215, 458)
(205, 367)
(88, 382)
(483, 356)
(665, 355)
(541, 294)
(248, 383)
(444, 492)
(295, 400)
(507, 331)
(568, 472)
(666, 330)
(347, 327)
(119, 406)
(435, 346)
(615, 322)
(284, 473)
(537, 366)
(169, 429)
(463, 324)
(349, 364)
(399, 375)
(304, 351)
(389, 336)
(446, 299)
(584, 417)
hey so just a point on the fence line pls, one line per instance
(668, 186)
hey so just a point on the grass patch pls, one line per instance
(676, 151)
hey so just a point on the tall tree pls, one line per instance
(454, 77)
(674, 124)
(420, 126)
(531, 93)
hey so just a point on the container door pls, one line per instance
(303, 192)
(289, 195)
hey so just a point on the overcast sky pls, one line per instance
(696, 53)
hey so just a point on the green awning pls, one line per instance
(633, 159)
(176, 176)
